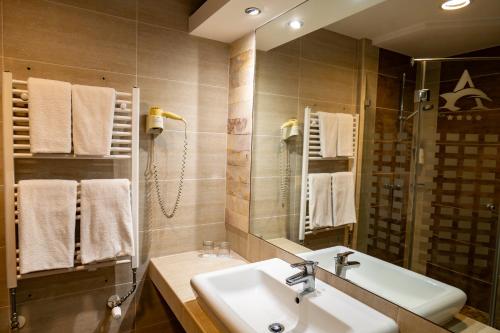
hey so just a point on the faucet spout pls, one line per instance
(307, 276)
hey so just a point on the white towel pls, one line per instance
(49, 116)
(47, 215)
(105, 219)
(345, 139)
(344, 210)
(328, 134)
(93, 111)
(320, 199)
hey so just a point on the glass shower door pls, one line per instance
(456, 179)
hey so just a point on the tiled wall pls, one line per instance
(318, 70)
(122, 44)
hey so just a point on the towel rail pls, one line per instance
(120, 148)
(312, 152)
(16, 139)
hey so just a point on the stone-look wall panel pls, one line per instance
(121, 44)
(239, 130)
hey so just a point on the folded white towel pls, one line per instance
(345, 139)
(93, 111)
(328, 134)
(105, 219)
(47, 215)
(344, 210)
(320, 200)
(49, 116)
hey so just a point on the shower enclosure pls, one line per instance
(434, 174)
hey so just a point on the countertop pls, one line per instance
(172, 275)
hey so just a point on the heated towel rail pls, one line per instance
(311, 152)
(16, 140)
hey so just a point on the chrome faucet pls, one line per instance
(342, 264)
(307, 276)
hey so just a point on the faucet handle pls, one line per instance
(341, 257)
(308, 266)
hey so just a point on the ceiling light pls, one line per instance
(295, 24)
(455, 4)
(252, 11)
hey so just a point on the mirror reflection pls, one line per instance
(375, 152)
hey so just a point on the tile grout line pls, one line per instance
(193, 83)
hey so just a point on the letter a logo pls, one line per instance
(461, 91)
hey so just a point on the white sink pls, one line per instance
(249, 298)
(427, 297)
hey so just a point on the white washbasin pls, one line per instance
(249, 298)
(427, 297)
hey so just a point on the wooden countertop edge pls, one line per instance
(189, 313)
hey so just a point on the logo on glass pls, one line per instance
(460, 91)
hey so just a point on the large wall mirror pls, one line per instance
(378, 156)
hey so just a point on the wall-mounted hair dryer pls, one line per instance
(154, 126)
(155, 119)
(289, 129)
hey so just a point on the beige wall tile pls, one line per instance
(43, 36)
(270, 227)
(23, 69)
(206, 155)
(172, 55)
(202, 202)
(271, 111)
(203, 107)
(122, 8)
(276, 73)
(330, 48)
(161, 242)
(266, 157)
(326, 83)
(265, 194)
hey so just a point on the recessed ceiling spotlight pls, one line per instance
(295, 24)
(252, 11)
(455, 4)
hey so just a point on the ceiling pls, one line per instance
(226, 21)
(420, 28)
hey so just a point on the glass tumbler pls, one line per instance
(208, 248)
(224, 249)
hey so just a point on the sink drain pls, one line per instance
(276, 328)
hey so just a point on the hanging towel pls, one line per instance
(345, 139)
(93, 111)
(320, 200)
(105, 219)
(343, 207)
(49, 116)
(328, 134)
(47, 215)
